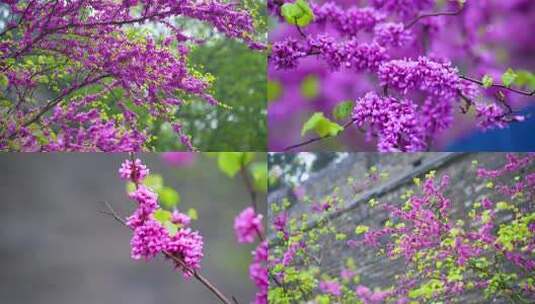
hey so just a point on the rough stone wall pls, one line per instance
(375, 271)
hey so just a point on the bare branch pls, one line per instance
(426, 15)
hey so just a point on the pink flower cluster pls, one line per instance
(150, 236)
(394, 122)
(331, 287)
(133, 170)
(180, 159)
(248, 225)
(392, 34)
(369, 297)
(259, 273)
(436, 78)
(347, 21)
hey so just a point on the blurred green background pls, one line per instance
(240, 82)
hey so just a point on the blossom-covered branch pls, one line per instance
(157, 231)
(110, 42)
(379, 45)
(448, 248)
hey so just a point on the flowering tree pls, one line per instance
(443, 256)
(160, 228)
(396, 70)
(94, 76)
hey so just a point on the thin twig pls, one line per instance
(426, 15)
(249, 186)
(300, 30)
(52, 103)
(252, 192)
(113, 213)
(501, 86)
(319, 138)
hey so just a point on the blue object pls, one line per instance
(518, 137)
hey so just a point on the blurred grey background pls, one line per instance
(55, 246)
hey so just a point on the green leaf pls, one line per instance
(323, 299)
(130, 187)
(4, 81)
(509, 77)
(502, 206)
(487, 81)
(259, 172)
(171, 228)
(525, 78)
(169, 197)
(154, 181)
(343, 110)
(298, 13)
(427, 289)
(162, 215)
(360, 229)
(192, 213)
(310, 87)
(321, 125)
(274, 90)
(231, 162)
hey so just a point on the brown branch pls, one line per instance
(319, 138)
(247, 181)
(501, 86)
(52, 103)
(300, 30)
(252, 193)
(426, 15)
(178, 260)
(201, 279)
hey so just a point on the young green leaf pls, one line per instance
(231, 162)
(192, 213)
(171, 228)
(360, 229)
(343, 110)
(274, 90)
(487, 81)
(310, 87)
(169, 197)
(162, 215)
(4, 81)
(509, 77)
(154, 181)
(525, 78)
(298, 13)
(259, 172)
(321, 125)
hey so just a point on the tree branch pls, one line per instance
(426, 15)
(178, 260)
(501, 86)
(252, 193)
(319, 138)
(52, 103)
